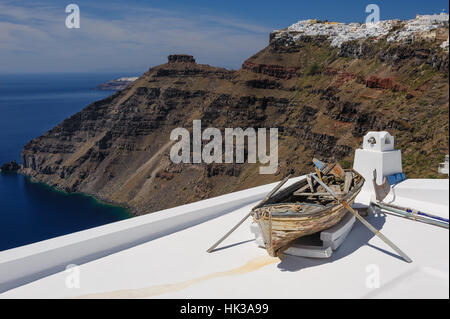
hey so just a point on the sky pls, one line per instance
(131, 36)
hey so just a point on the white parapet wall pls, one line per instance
(444, 167)
(28, 263)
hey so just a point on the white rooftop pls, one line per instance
(178, 266)
(163, 255)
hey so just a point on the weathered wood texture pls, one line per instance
(282, 223)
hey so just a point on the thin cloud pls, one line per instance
(133, 40)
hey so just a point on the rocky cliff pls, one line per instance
(322, 98)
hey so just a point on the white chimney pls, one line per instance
(378, 154)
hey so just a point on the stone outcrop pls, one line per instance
(263, 84)
(12, 166)
(341, 76)
(376, 82)
(395, 54)
(180, 58)
(277, 71)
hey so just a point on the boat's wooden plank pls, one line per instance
(273, 192)
(348, 181)
(302, 189)
(312, 194)
(338, 171)
(336, 189)
(311, 186)
(318, 172)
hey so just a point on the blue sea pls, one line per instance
(29, 106)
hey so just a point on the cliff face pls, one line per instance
(322, 99)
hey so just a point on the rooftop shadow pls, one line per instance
(358, 237)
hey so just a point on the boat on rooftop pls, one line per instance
(303, 209)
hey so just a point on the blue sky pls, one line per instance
(131, 36)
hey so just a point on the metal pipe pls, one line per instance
(401, 213)
(416, 212)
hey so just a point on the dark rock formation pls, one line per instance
(263, 84)
(181, 58)
(357, 49)
(376, 82)
(394, 54)
(439, 60)
(277, 71)
(283, 43)
(12, 166)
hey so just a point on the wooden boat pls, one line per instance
(304, 208)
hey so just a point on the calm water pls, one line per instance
(29, 106)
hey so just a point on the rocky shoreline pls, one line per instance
(102, 201)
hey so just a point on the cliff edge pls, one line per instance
(322, 98)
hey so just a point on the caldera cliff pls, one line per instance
(322, 98)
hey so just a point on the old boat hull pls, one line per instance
(280, 231)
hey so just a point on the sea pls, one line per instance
(30, 105)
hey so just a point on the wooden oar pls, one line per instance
(248, 215)
(362, 220)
